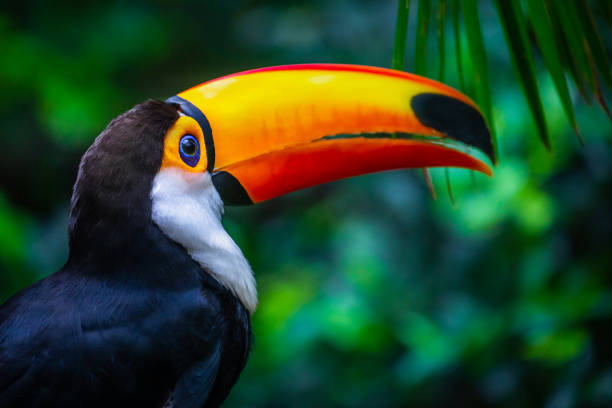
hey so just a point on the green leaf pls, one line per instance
(567, 60)
(598, 93)
(594, 40)
(399, 45)
(401, 26)
(577, 39)
(441, 19)
(420, 49)
(543, 29)
(578, 50)
(595, 52)
(572, 33)
(606, 10)
(566, 56)
(457, 32)
(448, 186)
(429, 182)
(479, 62)
(515, 31)
(556, 347)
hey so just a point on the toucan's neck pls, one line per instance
(144, 257)
(187, 208)
(179, 218)
(98, 226)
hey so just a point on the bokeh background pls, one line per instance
(372, 293)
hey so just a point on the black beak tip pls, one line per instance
(455, 118)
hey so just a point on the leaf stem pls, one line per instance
(401, 27)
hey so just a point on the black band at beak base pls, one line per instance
(230, 189)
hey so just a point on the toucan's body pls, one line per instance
(152, 307)
(131, 320)
(124, 335)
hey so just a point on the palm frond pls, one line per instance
(479, 62)
(401, 26)
(565, 33)
(545, 36)
(515, 31)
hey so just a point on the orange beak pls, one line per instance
(275, 130)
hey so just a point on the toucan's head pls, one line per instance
(252, 136)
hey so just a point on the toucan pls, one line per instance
(153, 305)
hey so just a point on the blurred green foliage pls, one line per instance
(371, 293)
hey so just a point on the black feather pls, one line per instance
(130, 315)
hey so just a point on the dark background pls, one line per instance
(371, 292)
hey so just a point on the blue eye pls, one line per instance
(189, 148)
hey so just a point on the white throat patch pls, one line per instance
(188, 209)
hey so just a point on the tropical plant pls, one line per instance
(562, 34)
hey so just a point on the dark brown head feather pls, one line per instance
(112, 191)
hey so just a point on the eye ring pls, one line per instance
(189, 149)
